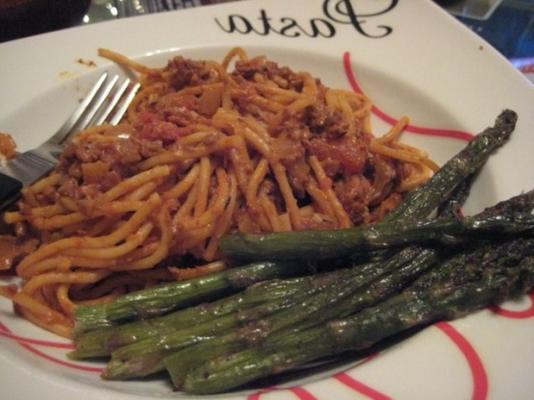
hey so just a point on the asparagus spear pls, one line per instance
(522, 203)
(477, 256)
(101, 342)
(143, 358)
(314, 245)
(168, 297)
(415, 306)
(422, 201)
(252, 333)
(301, 317)
(417, 205)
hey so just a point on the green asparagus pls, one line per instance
(101, 342)
(422, 201)
(168, 297)
(301, 317)
(145, 357)
(416, 306)
(129, 361)
(314, 245)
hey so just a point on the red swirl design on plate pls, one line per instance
(478, 372)
(302, 393)
(523, 314)
(37, 342)
(25, 343)
(360, 387)
(450, 133)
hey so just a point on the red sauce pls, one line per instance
(350, 151)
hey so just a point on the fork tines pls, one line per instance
(107, 101)
(110, 102)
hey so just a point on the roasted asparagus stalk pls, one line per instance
(145, 357)
(427, 301)
(315, 245)
(244, 305)
(168, 297)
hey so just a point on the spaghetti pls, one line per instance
(202, 151)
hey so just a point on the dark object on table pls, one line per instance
(20, 18)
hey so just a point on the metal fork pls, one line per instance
(128, 8)
(107, 101)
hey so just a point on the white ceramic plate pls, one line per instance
(412, 59)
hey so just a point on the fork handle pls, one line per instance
(9, 191)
